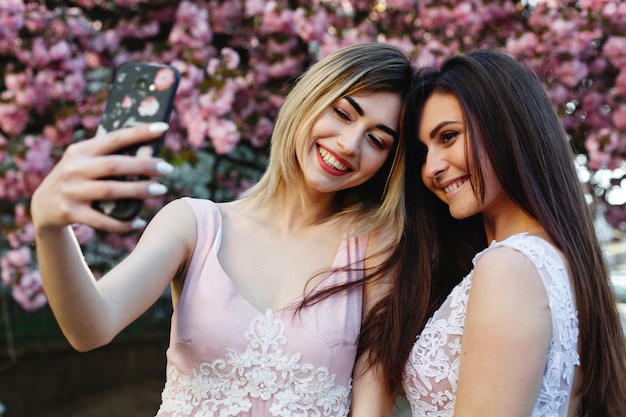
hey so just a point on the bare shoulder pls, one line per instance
(173, 225)
(506, 276)
(504, 259)
(177, 207)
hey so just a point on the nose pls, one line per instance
(434, 165)
(349, 140)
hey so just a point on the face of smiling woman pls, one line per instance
(350, 141)
(443, 134)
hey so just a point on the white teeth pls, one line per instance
(331, 160)
(453, 186)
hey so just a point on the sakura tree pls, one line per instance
(238, 58)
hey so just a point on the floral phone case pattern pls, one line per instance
(141, 93)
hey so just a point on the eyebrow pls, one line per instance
(437, 128)
(360, 111)
(354, 104)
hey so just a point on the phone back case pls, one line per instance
(141, 93)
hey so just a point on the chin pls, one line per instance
(461, 214)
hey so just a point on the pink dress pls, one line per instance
(226, 358)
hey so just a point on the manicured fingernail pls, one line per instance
(138, 224)
(157, 189)
(101, 131)
(164, 168)
(158, 127)
(144, 151)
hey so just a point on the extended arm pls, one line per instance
(92, 312)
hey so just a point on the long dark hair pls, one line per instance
(513, 122)
(434, 254)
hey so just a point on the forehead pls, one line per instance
(382, 106)
(439, 109)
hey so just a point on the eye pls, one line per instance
(341, 114)
(448, 136)
(376, 141)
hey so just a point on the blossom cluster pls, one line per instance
(237, 59)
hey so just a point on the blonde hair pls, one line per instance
(364, 68)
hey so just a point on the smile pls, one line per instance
(331, 161)
(451, 187)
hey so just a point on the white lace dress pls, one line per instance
(432, 371)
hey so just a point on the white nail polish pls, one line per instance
(164, 168)
(158, 127)
(157, 189)
(138, 224)
(144, 151)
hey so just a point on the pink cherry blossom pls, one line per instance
(83, 233)
(598, 159)
(230, 57)
(29, 291)
(22, 236)
(224, 135)
(405, 5)
(197, 126)
(13, 187)
(11, 21)
(310, 28)
(17, 258)
(226, 16)
(619, 117)
(571, 73)
(123, 243)
(276, 20)
(13, 119)
(284, 67)
(236, 60)
(620, 82)
(615, 50)
(60, 51)
(262, 132)
(254, 7)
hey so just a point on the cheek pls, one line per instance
(375, 160)
(425, 179)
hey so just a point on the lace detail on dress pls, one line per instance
(556, 385)
(431, 374)
(225, 387)
(432, 371)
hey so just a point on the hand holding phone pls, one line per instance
(141, 93)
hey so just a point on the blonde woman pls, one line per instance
(269, 290)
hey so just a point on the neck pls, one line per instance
(292, 212)
(501, 227)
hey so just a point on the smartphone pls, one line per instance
(140, 93)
